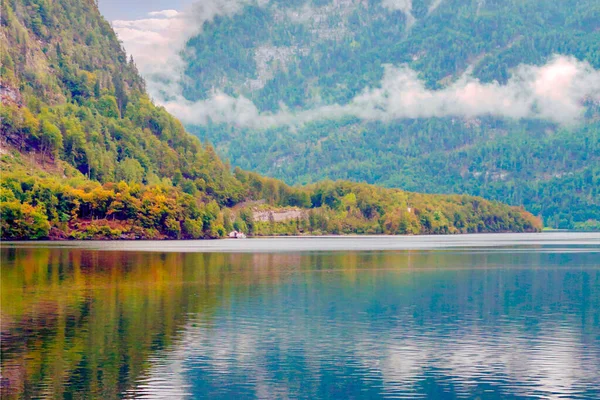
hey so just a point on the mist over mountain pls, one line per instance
(86, 154)
(492, 98)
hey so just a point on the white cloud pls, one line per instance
(434, 6)
(553, 92)
(402, 5)
(156, 42)
(164, 13)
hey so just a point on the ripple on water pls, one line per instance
(271, 358)
(275, 356)
(449, 324)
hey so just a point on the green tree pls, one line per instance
(107, 106)
(51, 139)
(22, 221)
(130, 170)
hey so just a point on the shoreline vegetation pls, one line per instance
(42, 206)
(85, 154)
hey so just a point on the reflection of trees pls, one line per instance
(81, 321)
(88, 321)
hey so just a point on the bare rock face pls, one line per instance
(9, 95)
(270, 59)
(279, 215)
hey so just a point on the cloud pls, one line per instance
(402, 5)
(554, 92)
(434, 6)
(156, 42)
(164, 13)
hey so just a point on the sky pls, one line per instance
(130, 9)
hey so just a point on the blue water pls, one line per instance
(488, 322)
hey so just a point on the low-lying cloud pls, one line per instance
(405, 6)
(434, 6)
(555, 92)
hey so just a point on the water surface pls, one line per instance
(507, 241)
(483, 316)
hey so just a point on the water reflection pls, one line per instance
(446, 324)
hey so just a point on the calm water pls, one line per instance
(498, 316)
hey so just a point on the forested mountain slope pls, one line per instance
(86, 154)
(440, 96)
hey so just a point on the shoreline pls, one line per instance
(301, 236)
(328, 243)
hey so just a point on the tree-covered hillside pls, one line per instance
(290, 57)
(86, 154)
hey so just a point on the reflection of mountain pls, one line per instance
(451, 325)
(112, 324)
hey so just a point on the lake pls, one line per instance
(476, 316)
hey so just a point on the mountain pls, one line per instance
(86, 154)
(495, 98)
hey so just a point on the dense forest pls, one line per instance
(302, 55)
(86, 154)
